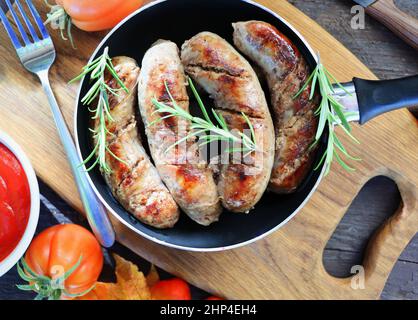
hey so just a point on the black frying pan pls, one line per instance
(179, 20)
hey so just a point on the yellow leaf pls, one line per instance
(131, 284)
(103, 291)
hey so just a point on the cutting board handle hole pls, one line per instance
(377, 201)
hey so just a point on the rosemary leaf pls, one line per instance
(314, 80)
(220, 120)
(250, 125)
(199, 101)
(306, 84)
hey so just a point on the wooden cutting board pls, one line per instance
(288, 263)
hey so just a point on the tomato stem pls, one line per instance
(47, 287)
(58, 18)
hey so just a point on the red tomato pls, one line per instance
(214, 298)
(59, 248)
(173, 289)
(14, 201)
(95, 15)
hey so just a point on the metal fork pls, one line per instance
(37, 55)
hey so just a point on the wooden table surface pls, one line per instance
(388, 57)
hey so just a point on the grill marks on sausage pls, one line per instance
(295, 124)
(221, 70)
(213, 59)
(234, 93)
(234, 84)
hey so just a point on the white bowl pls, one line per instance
(26, 239)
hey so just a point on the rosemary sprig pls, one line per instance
(100, 91)
(211, 131)
(330, 113)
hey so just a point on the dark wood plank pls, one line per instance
(376, 46)
(403, 282)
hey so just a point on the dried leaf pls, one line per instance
(103, 291)
(131, 284)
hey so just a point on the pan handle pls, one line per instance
(377, 97)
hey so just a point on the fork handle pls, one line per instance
(95, 211)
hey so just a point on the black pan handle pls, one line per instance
(378, 97)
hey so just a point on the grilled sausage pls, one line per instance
(229, 79)
(188, 177)
(295, 123)
(135, 181)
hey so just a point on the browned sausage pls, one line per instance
(295, 123)
(230, 80)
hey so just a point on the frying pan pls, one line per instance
(178, 21)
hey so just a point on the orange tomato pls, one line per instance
(173, 289)
(58, 249)
(96, 15)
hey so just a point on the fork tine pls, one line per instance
(38, 19)
(27, 22)
(9, 30)
(19, 25)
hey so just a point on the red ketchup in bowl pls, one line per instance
(14, 201)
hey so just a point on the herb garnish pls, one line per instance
(331, 113)
(212, 131)
(101, 112)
